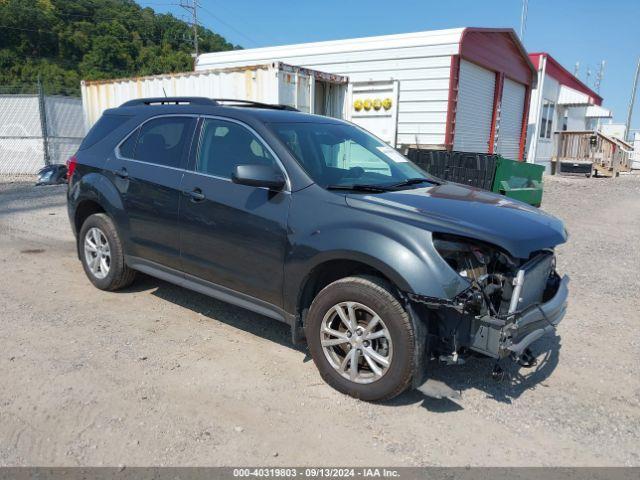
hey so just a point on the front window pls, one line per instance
(344, 155)
(225, 145)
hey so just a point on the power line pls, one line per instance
(52, 32)
(158, 4)
(253, 28)
(206, 10)
(97, 13)
(163, 36)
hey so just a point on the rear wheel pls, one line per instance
(102, 255)
(361, 338)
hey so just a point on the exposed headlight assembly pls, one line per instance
(470, 259)
(487, 268)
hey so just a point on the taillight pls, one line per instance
(71, 166)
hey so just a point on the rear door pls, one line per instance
(148, 170)
(474, 111)
(233, 235)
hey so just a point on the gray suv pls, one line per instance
(315, 222)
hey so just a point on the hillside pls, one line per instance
(65, 41)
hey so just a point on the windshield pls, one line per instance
(339, 155)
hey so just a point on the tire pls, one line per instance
(365, 297)
(98, 229)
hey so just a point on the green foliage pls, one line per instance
(63, 41)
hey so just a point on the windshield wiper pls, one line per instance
(360, 187)
(413, 181)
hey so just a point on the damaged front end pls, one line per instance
(508, 305)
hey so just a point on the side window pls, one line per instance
(225, 145)
(162, 141)
(546, 120)
(128, 148)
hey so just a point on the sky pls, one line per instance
(585, 31)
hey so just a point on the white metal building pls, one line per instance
(635, 156)
(464, 89)
(560, 102)
(617, 130)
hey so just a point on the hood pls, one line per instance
(518, 228)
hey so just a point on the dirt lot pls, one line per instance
(160, 375)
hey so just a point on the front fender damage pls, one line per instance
(532, 304)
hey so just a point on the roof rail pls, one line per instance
(252, 104)
(211, 102)
(170, 101)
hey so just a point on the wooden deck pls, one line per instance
(608, 155)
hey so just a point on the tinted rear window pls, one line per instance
(102, 128)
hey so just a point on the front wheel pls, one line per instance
(361, 338)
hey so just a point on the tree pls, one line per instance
(66, 40)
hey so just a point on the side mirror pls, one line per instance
(259, 176)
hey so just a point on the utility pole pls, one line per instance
(634, 89)
(576, 69)
(42, 107)
(192, 8)
(523, 19)
(599, 77)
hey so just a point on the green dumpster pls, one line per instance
(519, 180)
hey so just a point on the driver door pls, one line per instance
(233, 235)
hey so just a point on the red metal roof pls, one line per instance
(563, 76)
(500, 50)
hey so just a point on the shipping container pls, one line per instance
(307, 90)
(462, 89)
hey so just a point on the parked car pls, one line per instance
(315, 222)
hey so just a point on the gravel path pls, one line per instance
(160, 375)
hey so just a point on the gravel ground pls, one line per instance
(158, 375)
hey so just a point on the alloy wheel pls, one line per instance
(97, 252)
(356, 342)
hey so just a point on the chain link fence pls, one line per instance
(36, 130)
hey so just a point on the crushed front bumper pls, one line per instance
(536, 321)
(500, 338)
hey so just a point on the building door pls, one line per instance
(374, 107)
(474, 111)
(511, 112)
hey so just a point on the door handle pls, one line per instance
(122, 173)
(196, 195)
